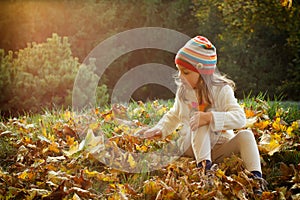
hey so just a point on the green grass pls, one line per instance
(32, 126)
(290, 111)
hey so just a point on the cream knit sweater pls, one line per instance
(227, 114)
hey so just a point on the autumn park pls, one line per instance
(65, 65)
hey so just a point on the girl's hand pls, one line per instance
(200, 119)
(153, 133)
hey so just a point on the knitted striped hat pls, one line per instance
(198, 50)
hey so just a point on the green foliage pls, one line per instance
(44, 75)
(85, 95)
(289, 111)
(257, 48)
(257, 41)
(87, 23)
(40, 76)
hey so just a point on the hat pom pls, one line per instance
(198, 55)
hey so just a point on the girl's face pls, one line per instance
(188, 77)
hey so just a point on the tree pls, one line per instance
(254, 41)
(87, 23)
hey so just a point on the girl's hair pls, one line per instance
(204, 86)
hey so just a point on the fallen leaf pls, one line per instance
(26, 175)
(151, 187)
(76, 197)
(54, 147)
(58, 193)
(68, 131)
(82, 182)
(131, 161)
(55, 159)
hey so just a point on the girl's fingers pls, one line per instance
(193, 127)
(157, 134)
(148, 135)
(151, 134)
(141, 132)
(194, 123)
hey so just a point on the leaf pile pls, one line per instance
(56, 156)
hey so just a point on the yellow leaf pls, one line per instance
(107, 116)
(249, 113)
(278, 126)
(67, 115)
(277, 137)
(38, 162)
(70, 140)
(76, 197)
(54, 147)
(121, 189)
(262, 124)
(44, 131)
(131, 161)
(25, 175)
(289, 130)
(286, 3)
(91, 173)
(155, 103)
(117, 129)
(273, 144)
(162, 110)
(147, 142)
(273, 147)
(108, 177)
(51, 137)
(73, 149)
(295, 124)
(97, 111)
(151, 187)
(51, 167)
(269, 143)
(220, 173)
(94, 126)
(27, 140)
(142, 148)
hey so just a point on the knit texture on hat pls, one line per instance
(198, 50)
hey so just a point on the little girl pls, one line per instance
(206, 107)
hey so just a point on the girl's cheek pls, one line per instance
(195, 84)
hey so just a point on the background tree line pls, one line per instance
(257, 40)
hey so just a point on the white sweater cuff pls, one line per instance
(218, 121)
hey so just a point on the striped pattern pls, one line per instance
(195, 51)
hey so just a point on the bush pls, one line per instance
(39, 76)
(84, 95)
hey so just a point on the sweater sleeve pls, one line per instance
(229, 114)
(170, 121)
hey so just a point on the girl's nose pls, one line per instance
(180, 75)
